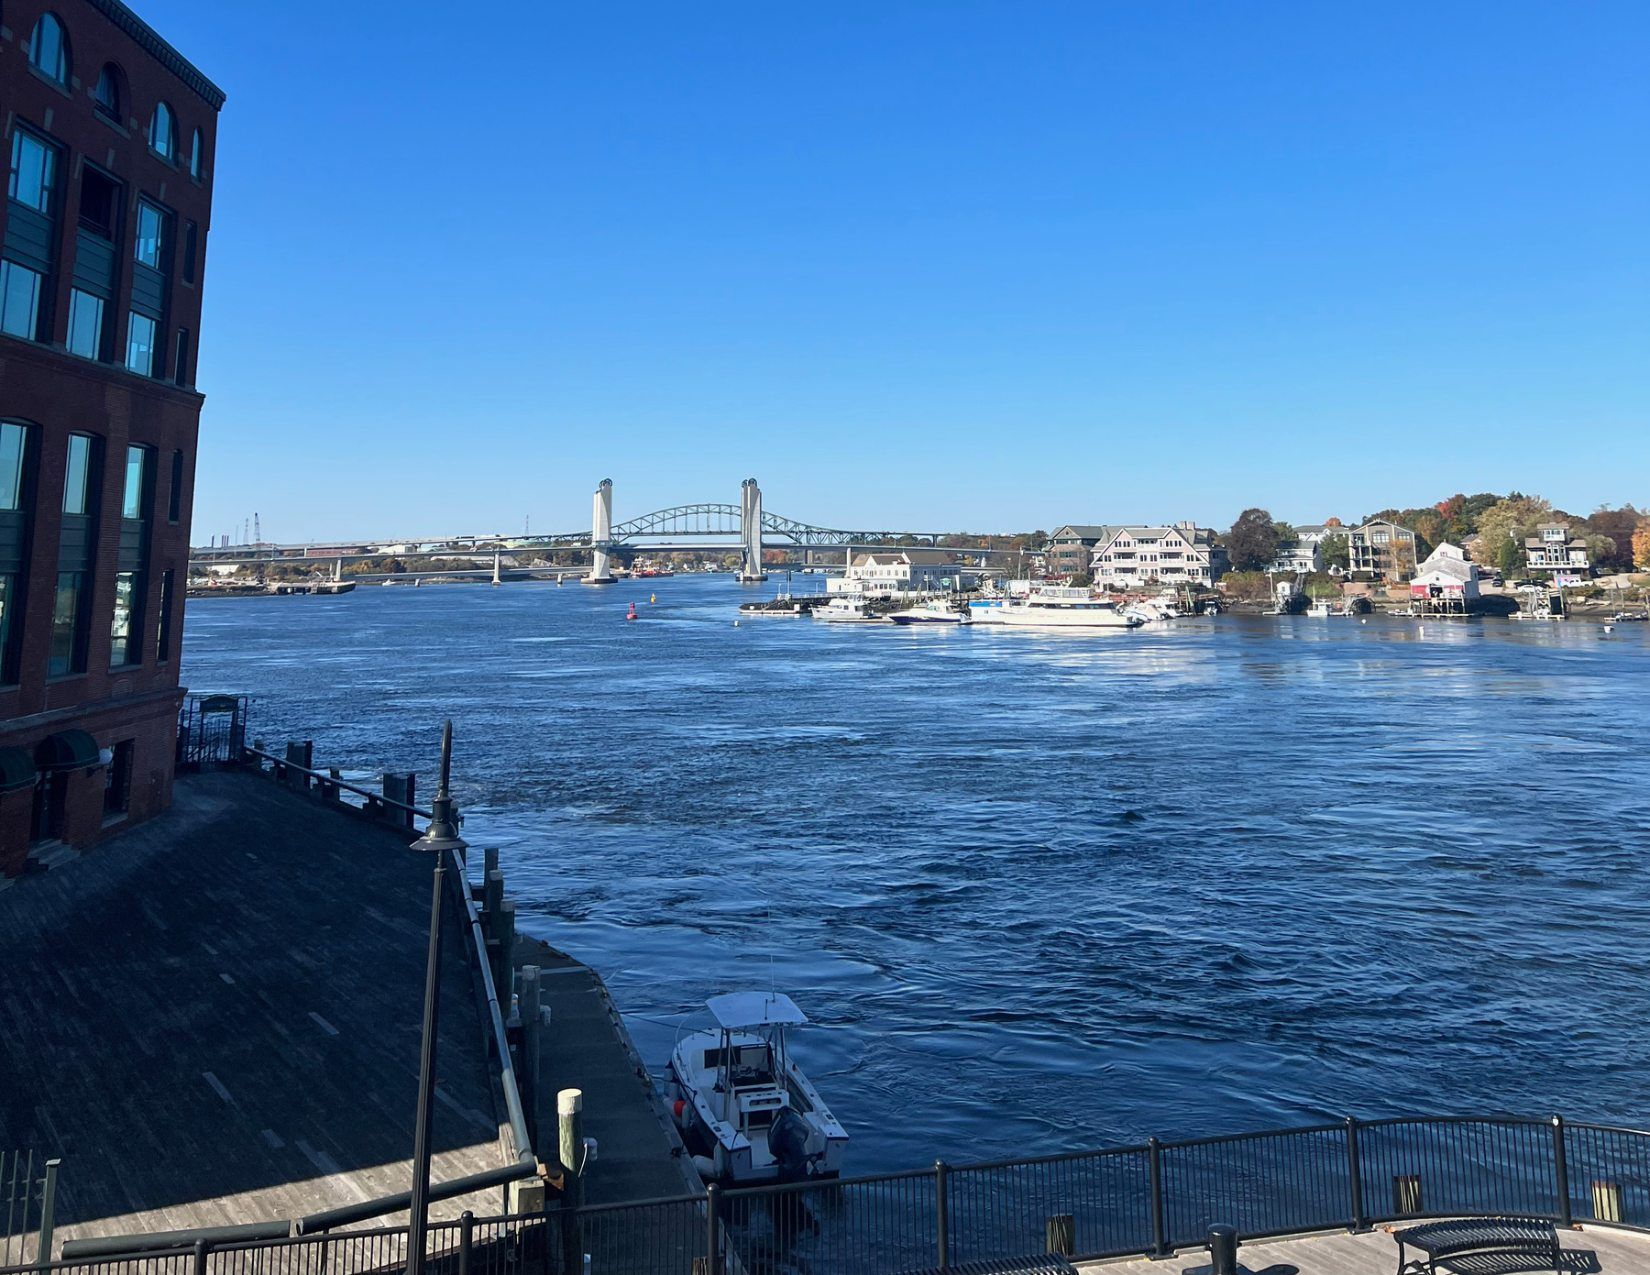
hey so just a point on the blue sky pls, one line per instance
(985, 265)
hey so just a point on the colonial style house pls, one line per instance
(1447, 582)
(1381, 548)
(1179, 554)
(1555, 553)
(1071, 547)
(886, 572)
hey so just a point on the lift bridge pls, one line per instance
(745, 528)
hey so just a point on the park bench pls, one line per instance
(1479, 1246)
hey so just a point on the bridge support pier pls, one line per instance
(601, 535)
(750, 533)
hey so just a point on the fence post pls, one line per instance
(466, 1235)
(942, 1213)
(1355, 1176)
(1561, 1172)
(48, 1207)
(1154, 1163)
(201, 1250)
(713, 1229)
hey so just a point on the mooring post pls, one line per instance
(493, 886)
(570, 1126)
(504, 954)
(531, 1011)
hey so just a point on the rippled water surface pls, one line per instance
(1038, 892)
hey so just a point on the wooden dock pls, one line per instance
(1591, 1249)
(214, 1019)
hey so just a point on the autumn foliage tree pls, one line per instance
(1641, 545)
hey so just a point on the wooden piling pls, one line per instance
(1062, 1235)
(570, 1124)
(531, 1046)
(1406, 1194)
(1607, 1201)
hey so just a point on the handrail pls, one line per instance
(495, 1015)
(326, 778)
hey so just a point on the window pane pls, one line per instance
(163, 640)
(140, 345)
(12, 439)
(8, 591)
(122, 648)
(160, 130)
(33, 172)
(19, 300)
(150, 225)
(77, 475)
(85, 324)
(108, 96)
(197, 154)
(65, 617)
(47, 51)
(131, 505)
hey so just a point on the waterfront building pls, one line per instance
(1556, 554)
(1304, 553)
(1447, 581)
(1381, 548)
(1182, 553)
(887, 572)
(1071, 548)
(109, 134)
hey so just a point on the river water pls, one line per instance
(1037, 892)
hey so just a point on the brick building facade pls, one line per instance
(109, 135)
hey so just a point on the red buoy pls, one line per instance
(632, 613)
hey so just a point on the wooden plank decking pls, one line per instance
(1612, 1252)
(214, 1018)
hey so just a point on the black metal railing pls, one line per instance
(28, 1194)
(1148, 1199)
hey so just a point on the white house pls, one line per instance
(885, 572)
(1178, 554)
(1304, 554)
(1447, 580)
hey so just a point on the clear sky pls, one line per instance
(919, 263)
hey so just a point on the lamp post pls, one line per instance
(440, 838)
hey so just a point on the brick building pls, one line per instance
(109, 136)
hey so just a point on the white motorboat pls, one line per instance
(933, 611)
(846, 609)
(1054, 607)
(1319, 610)
(746, 1111)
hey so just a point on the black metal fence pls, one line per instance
(28, 1193)
(1148, 1200)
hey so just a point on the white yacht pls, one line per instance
(746, 1111)
(1053, 607)
(846, 608)
(933, 611)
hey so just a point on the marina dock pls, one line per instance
(214, 1021)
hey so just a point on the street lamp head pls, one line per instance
(442, 834)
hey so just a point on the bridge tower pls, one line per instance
(750, 533)
(601, 535)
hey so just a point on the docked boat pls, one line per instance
(846, 609)
(1054, 607)
(1319, 610)
(933, 611)
(745, 1109)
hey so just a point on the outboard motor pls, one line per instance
(788, 1138)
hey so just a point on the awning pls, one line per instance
(66, 750)
(16, 769)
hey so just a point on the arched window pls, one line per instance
(49, 49)
(197, 154)
(163, 131)
(107, 94)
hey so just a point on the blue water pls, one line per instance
(1038, 892)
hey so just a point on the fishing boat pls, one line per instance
(746, 1111)
(846, 609)
(1055, 607)
(933, 611)
(1319, 610)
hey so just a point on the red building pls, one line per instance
(109, 138)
